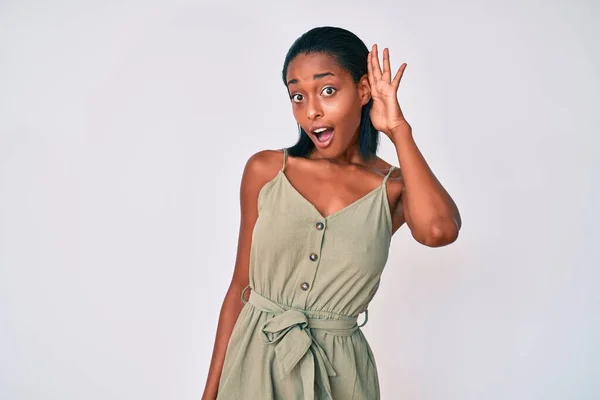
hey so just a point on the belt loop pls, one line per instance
(242, 295)
(366, 319)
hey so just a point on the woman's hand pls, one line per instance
(386, 114)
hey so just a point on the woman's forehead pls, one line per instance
(304, 67)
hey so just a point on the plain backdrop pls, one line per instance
(124, 130)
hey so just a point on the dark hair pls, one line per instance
(351, 54)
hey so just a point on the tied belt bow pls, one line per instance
(289, 331)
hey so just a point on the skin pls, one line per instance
(321, 92)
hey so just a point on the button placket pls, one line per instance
(317, 233)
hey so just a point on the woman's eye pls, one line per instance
(328, 90)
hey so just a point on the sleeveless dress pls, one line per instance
(297, 336)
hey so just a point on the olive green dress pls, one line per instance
(298, 336)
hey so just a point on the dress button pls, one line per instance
(305, 286)
(320, 226)
(313, 256)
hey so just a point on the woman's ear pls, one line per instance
(364, 89)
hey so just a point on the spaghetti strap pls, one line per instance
(388, 175)
(284, 157)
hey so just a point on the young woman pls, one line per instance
(316, 224)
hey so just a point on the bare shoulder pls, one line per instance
(395, 189)
(384, 167)
(396, 175)
(261, 167)
(264, 158)
(395, 182)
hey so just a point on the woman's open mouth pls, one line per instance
(323, 136)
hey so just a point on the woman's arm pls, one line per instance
(427, 208)
(255, 175)
(429, 211)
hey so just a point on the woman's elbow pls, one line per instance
(439, 234)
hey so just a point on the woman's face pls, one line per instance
(323, 95)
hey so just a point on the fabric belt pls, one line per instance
(289, 331)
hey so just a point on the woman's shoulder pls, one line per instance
(382, 167)
(262, 166)
(266, 159)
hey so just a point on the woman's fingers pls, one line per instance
(398, 77)
(376, 74)
(375, 67)
(387, 74)
(370, 71)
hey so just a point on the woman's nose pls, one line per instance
(313, 110)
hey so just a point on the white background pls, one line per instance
(124, 130)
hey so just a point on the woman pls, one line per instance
(316, 224)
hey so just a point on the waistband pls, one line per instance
(270, 304)
(289, 330)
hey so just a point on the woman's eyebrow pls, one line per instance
(315, 76)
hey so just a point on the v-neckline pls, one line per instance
(336, 213)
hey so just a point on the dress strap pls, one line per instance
(388, 175)
(285, 154)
